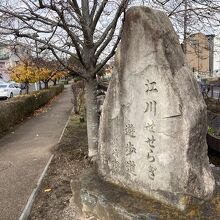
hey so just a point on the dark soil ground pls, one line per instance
(214, 157)
(70, 159)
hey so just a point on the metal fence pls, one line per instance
(210, 91)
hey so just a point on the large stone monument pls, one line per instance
(153, 125)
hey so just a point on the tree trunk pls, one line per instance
(46, 84)
(92, 117)
(40, 87)
(75, 98)
(54, 82)
(27, 88)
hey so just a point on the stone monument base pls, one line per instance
(99, 200)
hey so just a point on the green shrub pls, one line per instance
(16, 109)
(211, 130)
(65, 82)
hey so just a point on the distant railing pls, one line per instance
(210, 91)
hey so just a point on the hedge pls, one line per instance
(16, 109)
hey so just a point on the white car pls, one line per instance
(8, 90)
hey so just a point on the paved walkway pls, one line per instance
(25, 152)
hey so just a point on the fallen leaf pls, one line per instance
(47, 190)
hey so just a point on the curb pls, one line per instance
(27, 210)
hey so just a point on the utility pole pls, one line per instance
(37, 56)
(185, 26)
(198, 54)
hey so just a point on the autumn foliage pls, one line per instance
(24, 72)
(31, 72)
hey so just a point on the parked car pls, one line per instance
(8, 90)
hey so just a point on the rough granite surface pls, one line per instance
(99, 200)
(154, 123)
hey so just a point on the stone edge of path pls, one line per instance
(27, 210)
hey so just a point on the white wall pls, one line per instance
(216, 57)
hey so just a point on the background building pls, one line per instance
(4, 57)
(203, 54)
(10, 56)
(198, 53)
